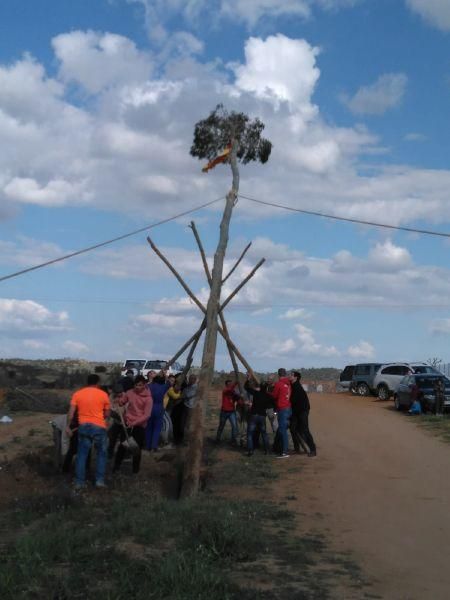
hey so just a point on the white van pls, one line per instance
(159, 365)
(133, 364)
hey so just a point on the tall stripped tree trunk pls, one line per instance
(192, 464)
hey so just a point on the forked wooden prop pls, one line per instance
(222, 328)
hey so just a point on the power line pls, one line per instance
(111, 241)
(347, 219)
(249, 307)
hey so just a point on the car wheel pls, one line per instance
(383, 392)
(397, 404)
(363, 389)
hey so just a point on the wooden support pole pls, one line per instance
(190, 356)
(202, 252)
(221, 316)
(191, 471)
(241, 285)
(185, 286)
(236, 264)
(185, 346)
(191, 294)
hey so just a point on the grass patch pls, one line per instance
(69, 548)
(256, 471)
(132, 545)
(439, 426)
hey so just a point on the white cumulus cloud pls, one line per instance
(99, 60)
(22, 317)
(52, 193)
(375, 99)
(75, 349)
(309, 345)
(158, 13)
(361, 350)
(435, 12)
(440, 326)
(280, 69)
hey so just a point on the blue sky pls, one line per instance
(98, 101)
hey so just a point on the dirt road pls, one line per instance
(380, 487)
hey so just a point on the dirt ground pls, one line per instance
(379, 489)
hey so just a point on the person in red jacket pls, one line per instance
(228, 411)
(282, 395)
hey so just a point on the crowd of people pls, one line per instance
(284, 403)
(130, 418)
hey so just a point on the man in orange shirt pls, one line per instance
(92, 406)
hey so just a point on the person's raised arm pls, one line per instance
(248, 387)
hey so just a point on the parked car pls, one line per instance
(404, 396)
(133, 364)
(345, 378)
(388, 377)
(159, 365)
(363, 376)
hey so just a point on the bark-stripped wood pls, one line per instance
(221, 316)
(237, 262)
(191, 472)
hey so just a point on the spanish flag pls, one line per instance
(220, 158)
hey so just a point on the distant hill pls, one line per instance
(60, 373)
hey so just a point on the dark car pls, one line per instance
(420, 386)
(363, 376)
(346, 376)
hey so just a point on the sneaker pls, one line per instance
(249, 453)
(312, 454)
(283, 455)
(100, 484)
(78, 487)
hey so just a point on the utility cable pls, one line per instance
(347, 219)
(246, 307)
(107, 242)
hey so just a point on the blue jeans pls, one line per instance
(89, 434)
(154, 426)
(283, 423)
(257, 422)
(227, 415)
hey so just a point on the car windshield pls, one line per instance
(134, 364)
(424, 369)
(155, 365)
(428, 382)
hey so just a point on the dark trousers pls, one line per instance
(177, 422)
(227, 415)
(257, 423)
(295, 428)
(302, 428)
(114, 433)
(185, 422)
(71, 452)
(138, 433)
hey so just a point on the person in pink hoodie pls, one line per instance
(138, 404)
(282, 395)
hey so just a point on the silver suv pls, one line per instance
(388, 377)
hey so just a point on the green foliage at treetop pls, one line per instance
(221, 128)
